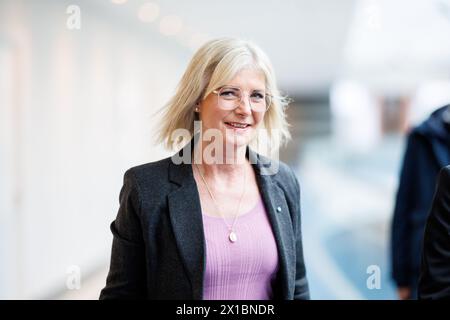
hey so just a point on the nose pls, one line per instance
(244, 106)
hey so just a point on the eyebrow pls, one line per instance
(237, 87)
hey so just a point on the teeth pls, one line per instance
(237, 125)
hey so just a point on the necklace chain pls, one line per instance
(215, 203)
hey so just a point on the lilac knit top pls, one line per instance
(245, 269)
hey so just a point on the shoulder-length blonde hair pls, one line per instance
(217, 62)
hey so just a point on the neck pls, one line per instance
(227, 164)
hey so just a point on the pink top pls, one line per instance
(245, 269)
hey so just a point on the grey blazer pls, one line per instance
(158, 249)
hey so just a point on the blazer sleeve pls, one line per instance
(127, 276)
(434, 281)
(301, 291)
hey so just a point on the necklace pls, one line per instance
(232, 234)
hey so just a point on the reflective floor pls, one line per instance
(347, 204)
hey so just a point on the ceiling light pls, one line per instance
(148, 12)
(170, 25)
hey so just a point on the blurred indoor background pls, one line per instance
(80, 81)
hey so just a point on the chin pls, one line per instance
(238, 140)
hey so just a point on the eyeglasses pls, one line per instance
(229, 98)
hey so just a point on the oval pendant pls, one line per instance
(232, 236)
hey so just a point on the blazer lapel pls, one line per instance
(187, 223)
(279, 217)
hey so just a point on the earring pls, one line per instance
(197, 109)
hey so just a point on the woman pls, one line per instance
(217, 224)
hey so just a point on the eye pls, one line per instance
(229, 93)
(257, 95)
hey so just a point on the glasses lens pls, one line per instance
(230, 97)
(258, 101)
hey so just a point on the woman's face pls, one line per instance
(213, 116)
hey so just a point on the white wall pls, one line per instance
(75, 108)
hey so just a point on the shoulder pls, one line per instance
(148, 175)
(280, 173)
(446, 171)
(444, 177)
(287, 176)
(418, 134)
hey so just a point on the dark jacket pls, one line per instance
(158, 249)
(427, 151)
(434, 282)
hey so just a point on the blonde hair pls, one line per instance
(213, 65)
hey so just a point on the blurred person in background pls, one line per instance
(224, 229)
(427, 151)
(434, 282)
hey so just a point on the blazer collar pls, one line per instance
(181, 170)
(187, 223)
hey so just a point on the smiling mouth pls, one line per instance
(237, 125)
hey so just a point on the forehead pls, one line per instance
(249, 78)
